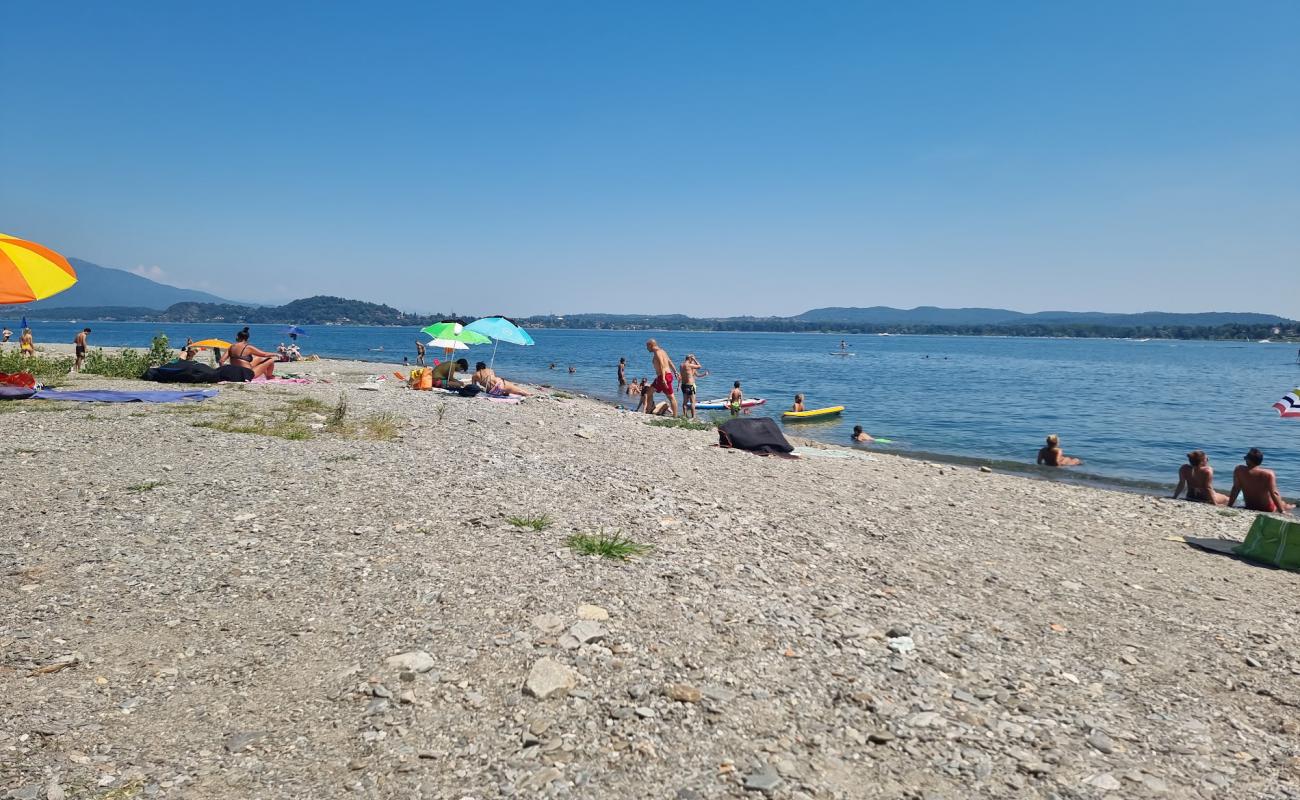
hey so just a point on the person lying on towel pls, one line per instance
(494, 384)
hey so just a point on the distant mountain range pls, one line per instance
(99, 286)
(103, 293)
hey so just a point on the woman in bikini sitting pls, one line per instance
(255, 363)
(494, 384)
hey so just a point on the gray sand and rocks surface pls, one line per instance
(190, 612)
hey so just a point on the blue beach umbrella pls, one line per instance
(500, 329)
(293, 331)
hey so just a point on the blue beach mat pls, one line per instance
(106, 396)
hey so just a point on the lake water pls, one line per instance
(1131, 410)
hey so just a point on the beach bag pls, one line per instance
(1272, 541)
(25, 380)
(755, 434)
(468, 391)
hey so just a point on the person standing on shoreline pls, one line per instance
(1257, 485)
(736, 399)
(5, 335)
(1198, 478)
(689, 369)
(25, 344)
(664, 372)
(79, 344)
(419, 352)
(622, 372)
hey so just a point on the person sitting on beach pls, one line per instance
(1053, 456)
(689, 369)
(860, 435)
(5, 335)
(493, 384)
(647, 397)
(254, 363)
(25, 344)
(798, 404)
(294, 353)
(282, 352)
(444, 375)
(189, 351)
(1198, 478)
(1257, 486)
(662, 409)
(736, 399)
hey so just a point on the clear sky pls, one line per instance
(707, 158)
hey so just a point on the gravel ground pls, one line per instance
(196, 613)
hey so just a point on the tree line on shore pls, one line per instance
(326, 310)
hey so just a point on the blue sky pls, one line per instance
(704, 158)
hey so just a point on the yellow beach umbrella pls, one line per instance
(29, 271)
(217, 343)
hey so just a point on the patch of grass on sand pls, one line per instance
(338, 418)
(680, 422)
(146, 486)
(50, 371)
(561, 395)
(15, 406)
(384, 426)
(536, 523)
(1224, 512)
(308, 405)
(614, 546)
(286, 427)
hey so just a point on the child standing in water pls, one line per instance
(735, 399)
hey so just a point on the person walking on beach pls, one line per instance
(5, 335)
(1053, 456)
(419, 352)
(735, 399)
(25, 344)
(622, 372)
(1198, 478)
(664, 372)
(1258, 486)
(690, 368)
(79, 344)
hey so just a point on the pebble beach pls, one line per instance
(338, 608)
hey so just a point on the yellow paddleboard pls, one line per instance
(815, 413)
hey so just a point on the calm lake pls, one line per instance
(1131, 410)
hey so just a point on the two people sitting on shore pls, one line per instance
(250, 361)
(1051, 454)
(494, 384)
(1255, 485)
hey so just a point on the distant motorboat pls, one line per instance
(1265, 341)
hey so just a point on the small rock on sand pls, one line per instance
(550, 678)
(412, 661)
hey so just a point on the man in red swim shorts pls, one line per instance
(664, 372)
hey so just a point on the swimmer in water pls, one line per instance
(860, 435)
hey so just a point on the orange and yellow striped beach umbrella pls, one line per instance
(29, 271)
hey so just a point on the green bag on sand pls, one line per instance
(1272, 541)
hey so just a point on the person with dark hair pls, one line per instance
(1198, 478)
(689, 369)
(493, 384)
(1257, 486)
(622, 372)
(444, 375)
(647, 397)
(419, 352)
(798, 404)
(79, 344)
(735, 400)
(251, 362)
(860, 435)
